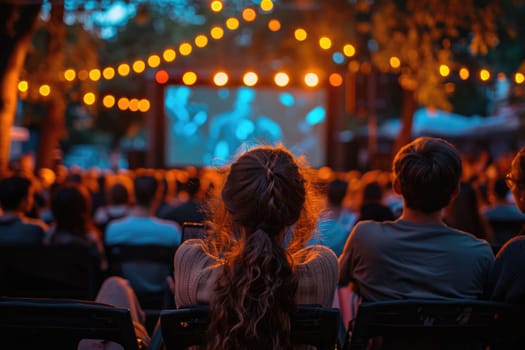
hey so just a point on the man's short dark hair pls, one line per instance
(337, 191)
(428, 170)
(145, 187)
(13, 190)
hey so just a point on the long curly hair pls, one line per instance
(265, 216)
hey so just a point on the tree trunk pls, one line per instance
(52, 128)
(407, 118)
(17, 23)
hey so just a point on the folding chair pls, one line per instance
(311, 325)
(60, 324)
(432, 324)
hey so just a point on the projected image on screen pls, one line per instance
(208, 126)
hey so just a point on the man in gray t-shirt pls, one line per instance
(418, 256)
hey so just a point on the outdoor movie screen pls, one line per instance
(208, 126)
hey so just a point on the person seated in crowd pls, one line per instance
(16, 198)
(190, 210)
(464, 212)
(119, 203)
(72, 224)
(418, 256)
(141, 227)
(372, 207)
(506, 282)
(335, 222)
(253, 268)
(504, 217)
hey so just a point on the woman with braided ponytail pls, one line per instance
(254, 268)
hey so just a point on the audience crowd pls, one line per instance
(279, 232)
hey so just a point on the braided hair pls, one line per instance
(263, 196)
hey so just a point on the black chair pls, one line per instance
(60, 324)
(311, 325)
(49, 272)
(431, 324)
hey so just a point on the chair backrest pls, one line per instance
(445, 324)
(56, 271)
(146, 268)
(311, 325)
(60, 324)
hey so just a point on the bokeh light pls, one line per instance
(44, 90)
(484, 74)
(216, 32)
(108, 73)
(216, 6)
(249, 14)
(349, 50)
(464, 73)
(185, 49)
(300, 34)
(154, 61)
(108, 101)
(144, 105)
(395, 62)
(94, 74)
(311, 79)
(281, 79)
(444, 70)
(89, 98)
(274, 25)
(335, 79)
(189, 78)
(519, 78)
(232, 23)
(325, 43)
(201, 40)
(23, 86)
(134, 105)
(250, 78)
(169, 55)
(123, 69)
(266, 5)
(162, 77)
(70, 74)
(220, 78)
(123, 103)
(139, 66)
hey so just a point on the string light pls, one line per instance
(216, 6)
(220, 78)
(189, 78)
(249, 14)
(266, 5)
(232, 23)
(23, 86)
(281, 79)
(311, 79)
(300, 34)
(250, 78)
(201, 40)
(108, 73)
(185, 49)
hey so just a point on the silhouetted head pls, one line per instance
(14, 191)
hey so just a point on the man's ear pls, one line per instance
(396, 186)
(455, 193)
